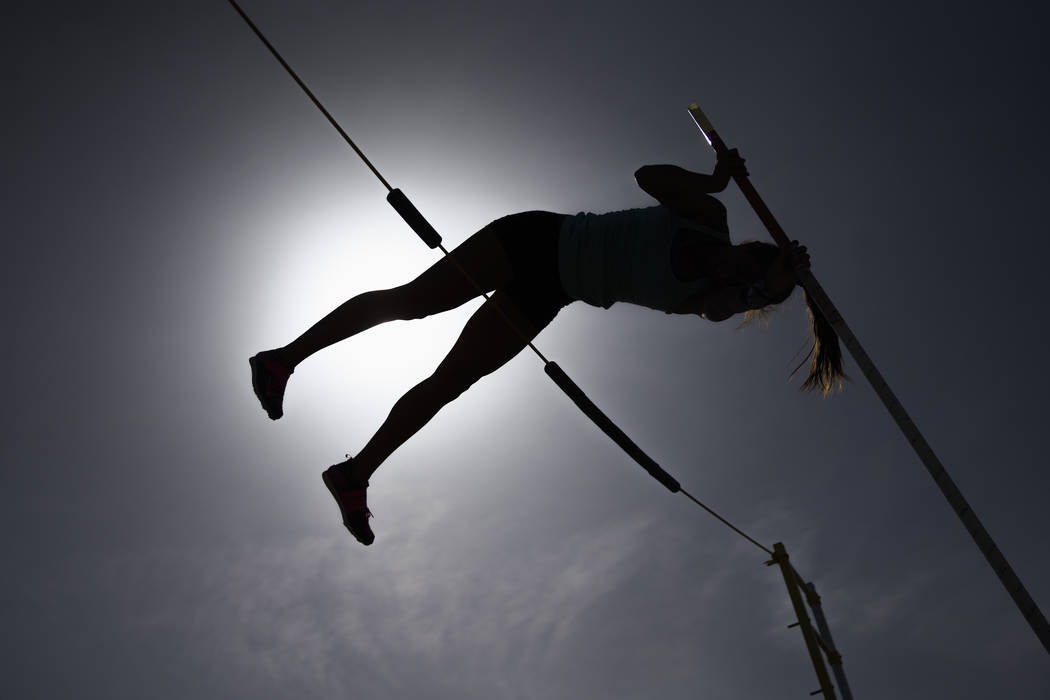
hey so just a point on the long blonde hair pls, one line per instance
(825, 370)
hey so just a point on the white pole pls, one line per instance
(1009, 578)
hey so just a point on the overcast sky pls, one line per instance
(173, 204)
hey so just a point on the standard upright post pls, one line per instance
(813, 644)
(834, 658)
(998, 562)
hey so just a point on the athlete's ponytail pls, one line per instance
(825, 371)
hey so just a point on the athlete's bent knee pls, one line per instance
(451, 385)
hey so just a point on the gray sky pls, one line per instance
(173, 203)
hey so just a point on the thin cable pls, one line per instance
(364, 158)
(730, 525)
(441, 247)
(309, 94)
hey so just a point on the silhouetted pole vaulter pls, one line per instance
(998, 562)
(503, 308)
(404, 207)
(771, 281)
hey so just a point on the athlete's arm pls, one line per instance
(685, 192)
(668, 183)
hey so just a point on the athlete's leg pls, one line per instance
(440, 288)
(486, 344)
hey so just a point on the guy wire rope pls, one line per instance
(426, 232)
(996, 559)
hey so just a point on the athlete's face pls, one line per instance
(744, 281)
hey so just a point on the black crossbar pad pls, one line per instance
(413, 218)
(608, 427)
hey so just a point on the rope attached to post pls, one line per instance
(412, 216)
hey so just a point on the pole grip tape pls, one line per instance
(413, 218)
(608, 427)
(700, 118)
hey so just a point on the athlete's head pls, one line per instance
(754, 277)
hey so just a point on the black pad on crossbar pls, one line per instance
(608, 427)
(413, 218)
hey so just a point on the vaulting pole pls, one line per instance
(1002, 568)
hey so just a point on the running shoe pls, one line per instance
(351, 496)
(269, 378)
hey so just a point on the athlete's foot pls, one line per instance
(349, 492)
(269, 379)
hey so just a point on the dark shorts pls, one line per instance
(530, 240)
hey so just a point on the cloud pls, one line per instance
(320, 615)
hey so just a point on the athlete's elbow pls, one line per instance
(651, 174)
(715, 312)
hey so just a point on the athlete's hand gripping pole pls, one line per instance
(746, 187)
(998, 562)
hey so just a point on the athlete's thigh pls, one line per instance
(477, 265)
(487, 342)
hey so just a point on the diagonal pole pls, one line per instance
(998, 562)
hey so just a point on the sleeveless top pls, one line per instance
(626, 256)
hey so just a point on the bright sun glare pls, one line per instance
(330, 262)
(319, 248)
(328, 256)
